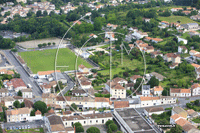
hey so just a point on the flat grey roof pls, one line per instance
(134, 120)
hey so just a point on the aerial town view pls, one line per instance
(103, 66)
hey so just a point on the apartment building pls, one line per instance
(180, 92)
(27, 93)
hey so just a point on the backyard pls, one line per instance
(45, 60)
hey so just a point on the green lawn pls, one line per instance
(98, 87)
(45, 60)
(185, 35)
(174, 19)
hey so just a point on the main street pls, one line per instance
(25, 77)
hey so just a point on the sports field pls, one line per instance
(174, 19)
(45, 60)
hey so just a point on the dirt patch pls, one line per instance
(34, 43)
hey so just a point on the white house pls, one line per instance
(195, 89)
(46, 74)
(182, 49)
(157, 90)
(182, 40)
(82, 68)
(180, 92)
(3, 92)
(27, 93)
(139, 34)
(134, 78)
(146, 90)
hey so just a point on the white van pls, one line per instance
(29, 86)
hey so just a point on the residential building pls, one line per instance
(182, 40)
(149, 49)
(134, 78)
(49, 98)
(8, 101)
(87, 120)
(190, 26)
(180, 92)
(46, 88)
(180, 111)
(182, 49)
(112, 26)
(193, 52)
(16, 84)
(3, 92)
(157, 90)
(195, 17)
(155, 54)
(5, 71)
(192, 114)
(139, 34)
(17, 115)
(121, 81)
(110, 35)
(146, 90)
(79, 93)
(46, 74)
(176, 9)
(176, 117)
(157, 75)
(196, 66)
(24, 1)
(195, 88)
(188, 128)
(156, 40)
(172, 57)
(82, 68)
(27, 93)
(153, 110)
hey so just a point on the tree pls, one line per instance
(41, 106)
(16, 75)
(22, 104)
(93, 130)
(59, 86)
(17, 104)
(164, 92)
(176, 129)
(153, 82)
(19, 93)
(45, 13)
(1, 130)
(109, 130)
(73, 107)
(39, 45)
(109, 122)
(44, 44)
(77, 124)
(48, 43)
(54, 43)
(113, 127)
(14, 50)
(38, 13)
(97, 24)
(32, 112)
(79, 127)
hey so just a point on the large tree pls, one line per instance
(41, 106)
(17, 104)
(19, 93)
(153, 82)
(176, 129)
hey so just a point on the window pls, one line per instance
(122, 93)
(84, 122)
(90, 121)
(102, 121)
(96, 121)
(72, 123)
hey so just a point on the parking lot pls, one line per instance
(23, 125)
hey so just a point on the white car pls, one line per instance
(29, 86)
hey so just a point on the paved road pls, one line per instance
(25, 77)
(33, 124)
(70, 84)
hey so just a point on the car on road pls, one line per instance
(29, 127)
(29, 85)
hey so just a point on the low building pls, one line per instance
(149, 49)
(139, 34)
(153, 110)
(58, 76)
(155, 54)
(17, 115)
(192, 114)
(131, 121)
(180, 92)
(79, 93)
(27, 93)
(193, 52)
(121, 104)
(46, 74)
(82, 68)
(46, 88)
(182, 49)
(157, 75)
(87, 120)
(180, 111)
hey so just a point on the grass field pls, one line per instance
(174, 19)
(45, 60)
(185, 35)
(36, 130)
